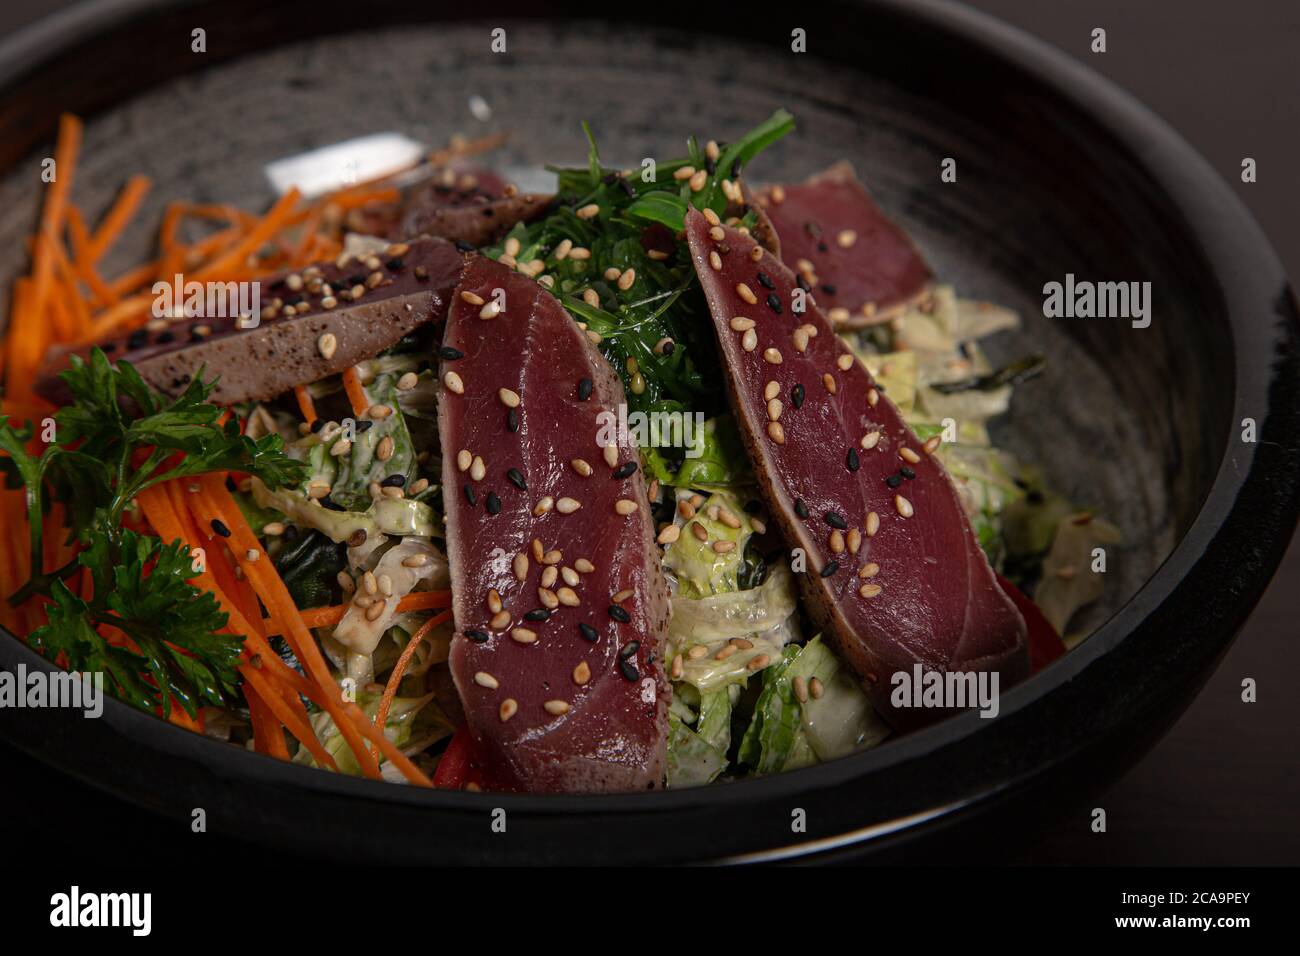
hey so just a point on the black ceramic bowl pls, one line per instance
(1058, 172)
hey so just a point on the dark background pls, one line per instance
(1224, 786)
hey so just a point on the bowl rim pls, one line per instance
(1246, 271)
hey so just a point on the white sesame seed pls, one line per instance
(749, 341)
(746, 293)
(869, 590)
(583, 566)
(771, 390)
(626, 279)
(870, 439)
(567, 506)
(844, 362)
(908, 455)
(610, 453)
(327, 344)
(872, 397)
(464, 459)
(556, 708)
(772, 355)
(904, 506)
(508, 398)
(562, 250)
(873, 524)
(684, 173)
(490, 311)
(846, 238)
(568, 597)
(484, 679)
(774, 409)
(478, 469)
(828, 382)
(509, 707)
(581, 467)
(776, 432)
(453, 383)
(471, 297)
(625, 506)
(523, 635)
(869, 570)
(669, 534)
(931, 444)
(582, 673)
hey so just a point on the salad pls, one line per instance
(662, 479)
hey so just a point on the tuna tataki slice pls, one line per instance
(895, 576)
(863, 268)
(559, 599)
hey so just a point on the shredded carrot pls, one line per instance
(420, 601)
(356, 392)
(349, 718)
(123, 211)
(395, 678)
(305, 404)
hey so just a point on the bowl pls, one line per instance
(1058, 172)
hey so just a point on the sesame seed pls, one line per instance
(580, 253)
(717, 234)
(828, 382)
(523, 635)
(568, 597)
(873, 397)
(582, 673)
(776, 432)
(520, 566)
(548, 598)
(477, 636)
(870, 439)
(588, 211)
(749, 341)
(477, 469)
(904, 506)
(509, 707)
(931, 444)
(800, 686)
(464, 459)
(516, 478)
(755, 254)
(869, 590)
(610, 453)
(699, 180)
(500, 621)
(741, 324)
(872, 524)
(618, 614)
(838, 314)
(625, 506)
(454, 383)
(492, 503)
(800, 338)
(759, 662)
(815, 688)
(844, 362)
(746, 293)
(415, 560)
(584, 389)
(543, 505)
(715, 260)
(567, 506)
(588, 632)
(774, 409)
(723, 547)
(846, 238)
(851, 460)
(869, 570)
(327, 344)
(490, 311)
(907, 454)
(570, 576)
(583, 566)
(669, 534)
(484, 679)
(408, 381)
(273, 528)
(830, 568)
(581, 467)
(508, 398)
(725, 652)
(384, 450)
(800, 508)
(624, 470)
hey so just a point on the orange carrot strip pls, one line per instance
(305, 404)
(395, 678)
(276, 596)
(270, 224)
(419, 601)
(356, 392)
(122, 212)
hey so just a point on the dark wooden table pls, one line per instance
(1224, 786)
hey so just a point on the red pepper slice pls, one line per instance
(1045, 645)
(456, 769)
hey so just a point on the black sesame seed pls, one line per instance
(394, 264)
(628, 668)
(628, 649)
(329, 504)
(165, 337)
(470, 496)
(828, 288)
(753, 506)
(137, 339)
(477, 636)
(800, 508)
(774, 302)
(584, 389)
(735, 168)
(109, 348)
(822, 247)
(364, 425)
(464, 246)
(796, 396)
(450, 354)
(394, 481)
(512, 419)
(894, 481)
(618, 614)
(356, 278)
(765, 280)
(830, 568)
(589, 633)
(517, 478)
(710, 165)
(836, 520)
(803, 283)
(627, 188)
(493, 503)
(220, 528)
(537, 614)
(851, 459)
(297, 298)
(625, 469)
(907, 473)
(230, 483)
